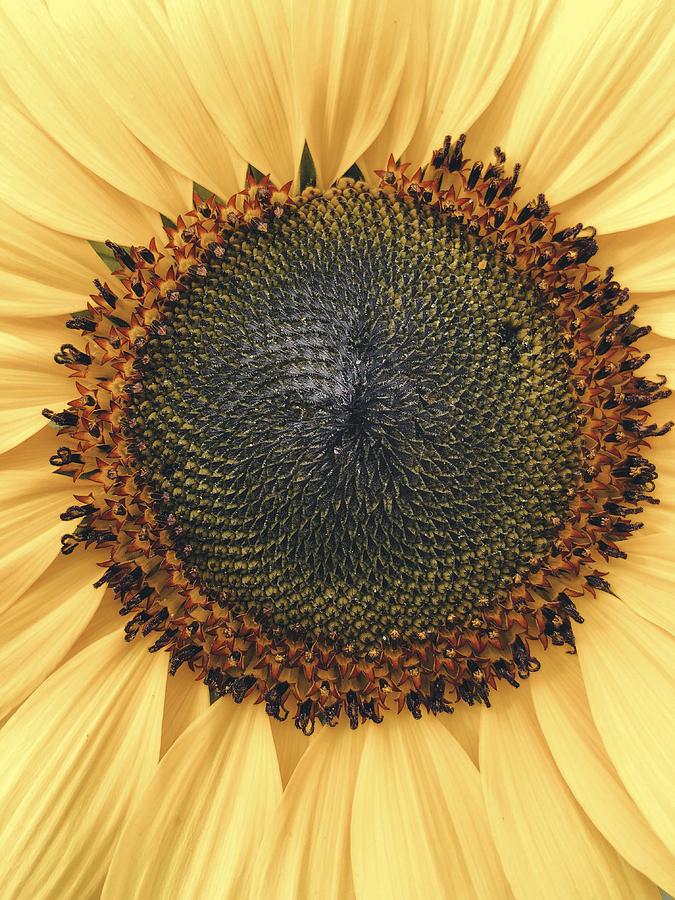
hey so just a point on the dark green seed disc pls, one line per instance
(361, 419)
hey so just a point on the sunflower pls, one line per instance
(336, 470)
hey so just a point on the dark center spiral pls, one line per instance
(359, 421)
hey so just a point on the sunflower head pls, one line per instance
(362, 448)
(367, 449)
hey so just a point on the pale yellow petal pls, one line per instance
(464, 725)
(53, 85)
(137, 67)
(290, 744)
(592, 87)
(349, 60)
(657, 310)
(186, 700)
(399, 127)
(661, 360)
(33, 498)
(74, 757)
(641, 192)
(627, 666)
(565, 719)
(38, 629)
(39, 179)
(643, 258)
(548, 846)
(306, 850)
(30, 462)
(239, 59)
(646, 580)
(31, 379)
(472, 47)
(18, 424)
(419, 826)
(195, 830)
(44, 272)
(105, 621)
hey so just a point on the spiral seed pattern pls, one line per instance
(359, 420)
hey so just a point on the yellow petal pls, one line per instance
(419, 827)
(641, 192)
(39, 179)
(186, 700)
(466, 64)
(592, 87)
(657, 311)
(306, 850)
(53, 85)
(548, 847)
(32, 378)
(28, 465)
(133, 62)
(38, 630)
(349, 60)
(464, 725)
(74, 757)
(290, 744)
(196, 827)
(646, 580)
(399, 127)
(627, 665)
(105, 621)
(565, 719)
(33, 498)
(661, 360)
(643, 258)
(44, 272)
(237, 56)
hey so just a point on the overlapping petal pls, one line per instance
(419, 825)
(55, 89)
(43, 272)
(467, 62)
(75, 756)
(239, 58)
(627, 666)
(547, 845)
(306, 850)
(37, 383)
(194, 831)
(186, 700)
(642, 191)
(32, 499)
(592, 87)
(643, 258)
(132, 61)
(40, 627)
(348, 60)
(565, 719)
(41, 180)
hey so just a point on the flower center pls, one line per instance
(360, 450)
(359, 420)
